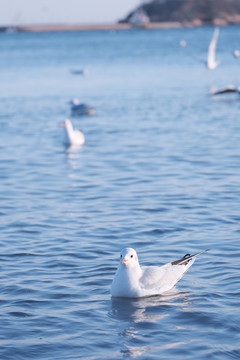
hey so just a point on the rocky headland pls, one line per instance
(190, 12)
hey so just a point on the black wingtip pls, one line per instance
(186, 258)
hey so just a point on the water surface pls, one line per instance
(160, 172)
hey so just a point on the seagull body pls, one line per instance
(75, 137)
(83, 71)
(81, 109)
(211, 60)
(236, 54)
(229, 89)
(133, 281)
(183, 43)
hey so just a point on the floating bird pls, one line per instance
(211, 61)
(74, 137)
(183, 43)
(133, 281)
(236, 54)
(81, 109)
(83, 71)
(227, 90)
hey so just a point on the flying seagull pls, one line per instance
(211, 58)
(229, 89)
(133, 281)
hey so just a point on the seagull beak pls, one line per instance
(124, 261)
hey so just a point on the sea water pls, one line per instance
(160, 172)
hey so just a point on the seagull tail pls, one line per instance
(186, 258)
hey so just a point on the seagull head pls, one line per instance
(75, 102)
(128, 258)
(66, 124)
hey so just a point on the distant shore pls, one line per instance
(117, 26)
(88, 27)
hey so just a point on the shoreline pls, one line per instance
(89, 27)
(116, 26)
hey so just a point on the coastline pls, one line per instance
(235, 20)
(89, 27)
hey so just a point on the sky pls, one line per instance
(27, 12)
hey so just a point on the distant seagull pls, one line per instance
(211, 61)
(236, 54)
(133, 281)
(83, 71)
(227, 90)
(75, 137)
(81, 109)
(183, 43)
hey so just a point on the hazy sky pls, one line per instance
(17, 12)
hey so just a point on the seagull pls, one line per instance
(133, 281)
(83, 71)
(75, 137)
(81, 109)
(183, 43)
(236, 54)
(229, 89)
(211, 62)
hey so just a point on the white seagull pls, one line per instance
(75, 137)
(236, 54)
(133, 281)
(211, 59)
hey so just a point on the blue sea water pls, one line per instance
(160, 172)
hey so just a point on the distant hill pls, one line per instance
(191, 12)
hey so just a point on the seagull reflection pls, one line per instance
(137, 310)
(75, 157)
(73, 149)
(132, 312)
(134, 351)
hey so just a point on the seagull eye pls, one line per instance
(131, 256)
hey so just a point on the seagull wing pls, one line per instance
(212, 48)
(153, 276)
(80, 138)
(159, 279)
(79, 132)
(186, 258)
(227, 89)
(156, 280)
